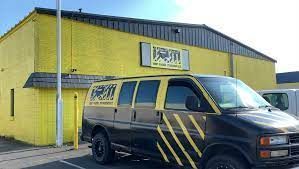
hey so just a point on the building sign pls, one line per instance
(164, 57)
(102, 94)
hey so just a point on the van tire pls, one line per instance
(101, 149)
(226, 162)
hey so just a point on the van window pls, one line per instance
(126, 94)
(147, 93)
(177, 93)
(278, 100)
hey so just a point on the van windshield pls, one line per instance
(230, 93)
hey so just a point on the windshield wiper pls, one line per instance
(266, 106)
(238, 107)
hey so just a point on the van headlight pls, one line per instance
(273, 154)
(273, 140)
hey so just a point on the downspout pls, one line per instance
(232, 65)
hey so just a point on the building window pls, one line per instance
(278, 100)
(12, 102)
(147, 93)
(126, 94)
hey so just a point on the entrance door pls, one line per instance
(145, 118)
(121, 135)
(182, 131)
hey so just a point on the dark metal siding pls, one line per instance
(191, 34)
(288, 77)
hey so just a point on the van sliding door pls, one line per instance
(121, 135)
(145, 118)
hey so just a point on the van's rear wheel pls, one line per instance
(101, 150)
(226, 162)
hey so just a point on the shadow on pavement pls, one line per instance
(122, 162)
(9, 145)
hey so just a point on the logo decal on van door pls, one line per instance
(102, 94)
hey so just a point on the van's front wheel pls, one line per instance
(101, 150)
(226, 162)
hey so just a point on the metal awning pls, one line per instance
(48, 80)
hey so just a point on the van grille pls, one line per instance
(294, 151)
(294, 138)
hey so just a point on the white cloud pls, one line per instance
(270, 26)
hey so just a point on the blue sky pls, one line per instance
(269, 26)
(12, 11)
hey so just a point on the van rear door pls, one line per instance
(100, 104)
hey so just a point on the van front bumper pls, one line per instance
(278, 163)
(288, 162)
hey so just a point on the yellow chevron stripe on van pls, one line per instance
(178, 142)
(205, 118)
(162, 152)
(200, 131)
(185, 131)
(169, 146)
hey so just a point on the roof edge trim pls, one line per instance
(13, 29)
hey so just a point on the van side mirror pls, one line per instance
(191, 103)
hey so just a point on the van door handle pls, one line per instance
(115, 110)
(161, 118)
(134, 115)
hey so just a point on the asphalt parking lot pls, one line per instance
(15, 155)
(86, 161)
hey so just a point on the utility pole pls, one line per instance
(59, 102)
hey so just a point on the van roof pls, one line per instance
(148, 76)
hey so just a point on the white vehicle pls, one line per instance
(286, 100)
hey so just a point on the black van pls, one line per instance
(194, 121)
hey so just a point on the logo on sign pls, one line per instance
(164, 57)
(102, 94)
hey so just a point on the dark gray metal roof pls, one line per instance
(189, 34)
(287, 77)
(48, 80)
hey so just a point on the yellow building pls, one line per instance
(98, 47)
(288, 80)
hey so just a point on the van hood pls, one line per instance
(274, 121)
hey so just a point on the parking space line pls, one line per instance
(71, 164)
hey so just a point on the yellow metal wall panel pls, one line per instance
(17, 52)
(47, 99)
(102, 51)
(259, 74)
(288, 86)
(96, 50)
